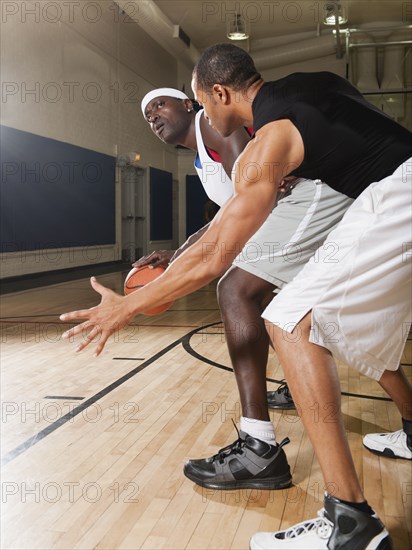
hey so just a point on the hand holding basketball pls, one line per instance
(140, 276)
(158, 258)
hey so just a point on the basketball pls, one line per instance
(140, 276)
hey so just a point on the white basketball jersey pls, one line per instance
(217, 184)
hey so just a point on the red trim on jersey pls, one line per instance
(215, 156)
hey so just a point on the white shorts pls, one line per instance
(358, 284)
(293, 231)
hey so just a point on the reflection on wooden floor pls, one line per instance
(93, 448)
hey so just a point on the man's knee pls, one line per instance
(280, 337)
(240, 285)
(228, 288)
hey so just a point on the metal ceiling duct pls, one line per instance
(366, 77)
(258, 44)
(267, 53)
(394, 62)
(381, 67)
(155, 23)
(287, 54)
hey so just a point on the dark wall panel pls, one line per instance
(53, 194)
(161, 205)
(196, 200)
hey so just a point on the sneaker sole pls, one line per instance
(383, 540)
(386, 452)
(268, 484)
(282, 406)
(384, 544)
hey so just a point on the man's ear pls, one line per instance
(221, 93)
(188, 105)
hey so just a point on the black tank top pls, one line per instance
(348, 143)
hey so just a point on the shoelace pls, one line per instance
(394, 437)
(233, 448)
(321, 525)
(284, 388)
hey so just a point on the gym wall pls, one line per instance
(73, 80)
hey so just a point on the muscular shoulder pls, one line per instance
(276, 150)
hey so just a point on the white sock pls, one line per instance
(259, 429)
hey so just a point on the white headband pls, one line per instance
(168, 92)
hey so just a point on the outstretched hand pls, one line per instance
(159, 258)
(100, 321)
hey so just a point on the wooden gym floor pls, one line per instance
(93, 448)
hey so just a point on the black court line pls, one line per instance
(29, 443)
(37, 280)
(185, 341)
(128, 358)
(222, 334)
(12, 322)
(200, 309)
(187, 346)
(55, 315)
(67, 397)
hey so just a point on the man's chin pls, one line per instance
(169, 140)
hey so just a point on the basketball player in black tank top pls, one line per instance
(316, 126)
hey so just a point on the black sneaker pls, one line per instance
(280, 399)
(248, 463)
(338, 527)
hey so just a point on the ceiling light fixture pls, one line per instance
(237, 28)
(333, 9)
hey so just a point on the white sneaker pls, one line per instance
(392, 445)
(338, 526)
(312, 534)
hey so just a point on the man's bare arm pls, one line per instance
(275, 151)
